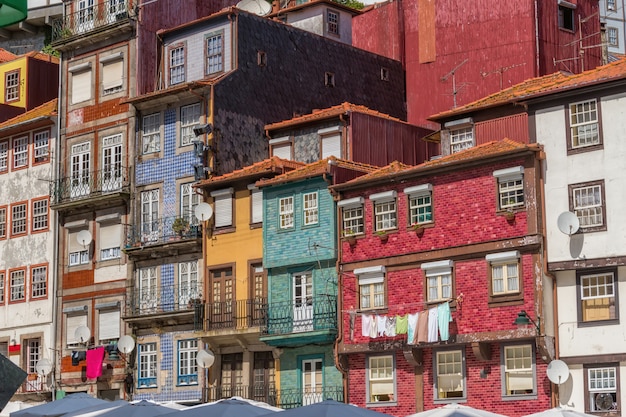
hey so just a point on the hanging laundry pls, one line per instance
(411, 337)
(366, 325)
(433, 325)
(402, 324)
(77, 356)
(422, 327)
(444, 317)
(374, 328)
(381, 324)
(390, 327)
(94, 362)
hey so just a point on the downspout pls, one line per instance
(536, 39)
(344, 134)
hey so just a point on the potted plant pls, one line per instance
(418, 228)
(350, 236)
(180, 226)
(509, 214)
(382, 235)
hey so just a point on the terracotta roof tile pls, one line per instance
(42, 57)
(540, 86)
(6, 56)
(315, 169)
(46, 109)
(328, 113)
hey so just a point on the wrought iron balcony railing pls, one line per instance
(293, 397)
(312, 314)
(260, 392)
(90, 18)
(34, 383)
(288, 398)
(240, 314)
(148, 302)
(163, 230)
(85, 185)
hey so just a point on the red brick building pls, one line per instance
(460, 235)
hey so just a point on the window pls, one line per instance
(39, 281)
(285, 212)
(188, 282)
(420, 203)
(40, 215)
(17, 285)
(75, 317)
(80, 174)
(187, 367)
(587, 201)
(33, 354)
(151, 138)
(223, 200)
(147, 365)
(110, 253)
(613, 36)
(330, 139)
(177, 65)
(20, 152)
(584, 124)
(117, 8)
(108, 323)
(12, 86)
(385, 210)
(4, 156)
(2, 281)
(601, 388)
(510, 187)
(438, 280)
(81, 83)
(189, 117)
(461, 139)
(85, 15)
(3, 222)
(256, 204)
(611, 5)
(566, 18)
(18, 219)
(42, 148)
(309, 202)
(79, 257)
(450, 375)
(189, 199)
(384, 74)
(518, 370)
(148, 296)
(332, 22)
(4, 349)
(597, 296)
(281, 148)
(150, 216)
(112, 74)
(329, 79)
(352, 216)
(214, 54)
(504, 271)
(112, 176)
(381, 379)
(371, 287)
(261, 58)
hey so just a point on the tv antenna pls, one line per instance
(452, 74)
(501, 71)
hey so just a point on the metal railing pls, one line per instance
(90, 18)
(89, 184)
(261, 392)
(239, 314)
(147, 302)
(312, 314)
(294, 397)
(288, 398)
(34, 383)
(163, 230)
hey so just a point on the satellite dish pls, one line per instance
(558, 371)
(82, 334)
(204, 211)
(43, 367)
(126, 344)
(568, 223)
(205, 359)
(84, 237)
(258, 7)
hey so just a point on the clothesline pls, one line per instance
(406, 305)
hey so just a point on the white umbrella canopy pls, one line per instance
(95, 410)
(231, 407)
(559, 412)
(456, 410)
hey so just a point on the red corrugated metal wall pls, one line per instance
(513, 127)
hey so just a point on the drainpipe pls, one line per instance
(536, 39)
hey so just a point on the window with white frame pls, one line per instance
(112, 74)
(12, 86)
(189, 199)
(18, 219)
(285, 212)
(602, 388)
(281, 147)
(112, 174)
(78, 254)
(584, 123)
(450, 375)
(371, 282)
(385, 215)
(39, 282)
(504, 270)
(42, 146)
(420, 199)
(223, 202)
(150, 215)
(332, 22)
(17, 282)
(214, 53)
(518, 370)
(177, 65)
(438, 280)
(2, 281)
(151, 137)
(597, 295)
(612, 36)
(187, 367)
(188, 288)
(4, 156)
(110, 236)
(330, 139)
(588, 204)
(256, 204)
(108, 323)
(189, 117)
(20, 152)
(40, 215)
(611, 5)
(3, 222)
(147, 364)
(461, 139)
(33, 354)
(75, 317)
(381, 384)
(510, 187)
(309, 206)
(352, 216)
(147, 288)
(80, 83)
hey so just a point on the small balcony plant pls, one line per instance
(180, 226)
(349, 235)
(418, 228)
(382, 235)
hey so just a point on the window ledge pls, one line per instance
(611, 322)
(224, 230)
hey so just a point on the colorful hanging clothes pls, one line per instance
(444, 317)
(422, 327)
(402, 324)
(433, 325)
(411, 337)
(95, 357)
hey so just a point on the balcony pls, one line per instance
(290, 324)
(288, 398)
(92, 23)
(34, 388)
(241, 314)
(165, 307)
(95, 189)
(162, 237)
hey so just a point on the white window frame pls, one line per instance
(189, 117)
(147, 365)
(611, 5)
(12, 85)
(381, 371)
(187, 366)
(510, 182)
(81, 83)
(112, 74)
(385, 210)
(285, 212)
(256, 204)
(2, 283)
(20, 152)
(189, 199)
(40, 214)
(602, 380)
(282, 147)
(584, 123)
(149, 221)
(39, 281)
(41, 142)
(108, 316)
(188, 286)
(518, 365)
(3, 222)
(151, 134)
(79, 257)
(439, 280)
(449, 370)
(600, 285)
(588, 205)
(177, 64)
(214, 49)
(17, 285)
(420, 200)
(352, 215)
(223, 207)
(106, 254)
(461, 139)
(612, 36)
(19, 217)
(505, 263)
(372, 287)
(310, 203)
(4, 156)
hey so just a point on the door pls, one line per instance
(258, 294)
(232, 376)
(80, 170)
(222, 289)
(147, 290)
(264, 382)
(112, 163)
(311, 381)
(150, 216)
(303, 302)
(85, 15)
(189, 199)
